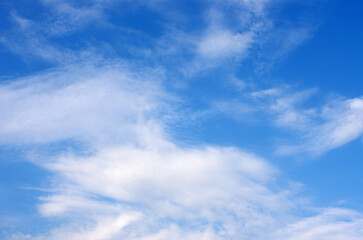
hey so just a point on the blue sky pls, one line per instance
(161, 119)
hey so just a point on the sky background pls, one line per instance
(161, 119)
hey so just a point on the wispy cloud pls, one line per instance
(69, 103)
(323, 128)
(319, 128)
(343, 123)
(68, 16)
(287, 107)
(331, 224)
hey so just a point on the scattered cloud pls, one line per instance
(145, 186)
(134, 181)
(137, 184)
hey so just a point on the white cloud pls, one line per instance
(320, 128)
(69, 103)
(201, 187)
(135, 182)
(332, 224)
(288, 111)
(343, 124)
(22, 22)
(132, 165)
(219, 44)
(323, 128)
(286, 107)
(105, 227)
(267, 93)
(181, 176)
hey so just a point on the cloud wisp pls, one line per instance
(323, 128)
(320, 128)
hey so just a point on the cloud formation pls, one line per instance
(134, 173)
(136, 182)
(92, 105)
(131, 179)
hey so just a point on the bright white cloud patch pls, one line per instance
(95, 105)
(188, 188)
